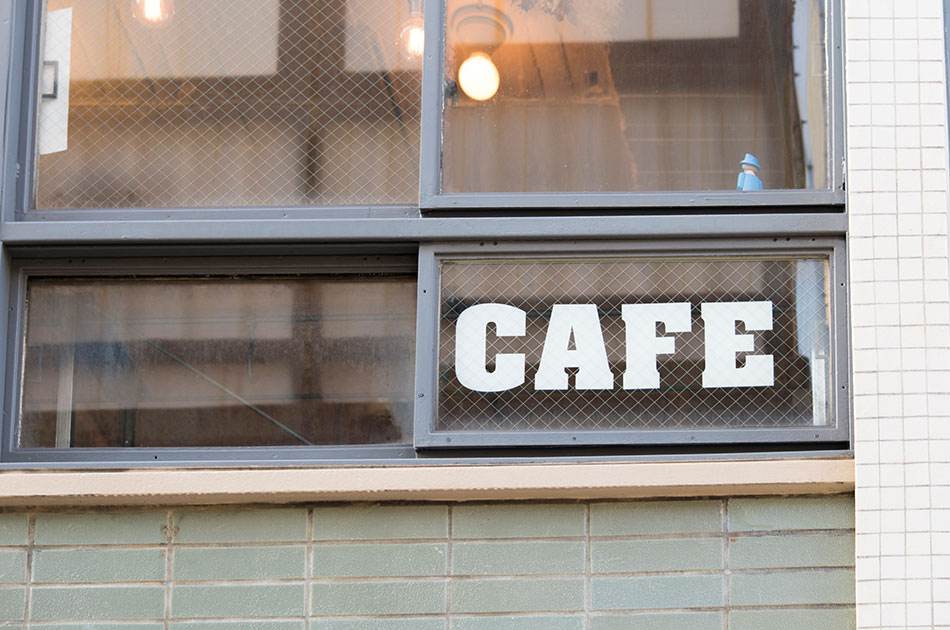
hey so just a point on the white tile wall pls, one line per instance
(900, 309)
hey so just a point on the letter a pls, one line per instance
(589, 355)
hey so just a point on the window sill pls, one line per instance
(621, 480)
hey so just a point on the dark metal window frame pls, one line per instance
(22, 37)
(427, 336)
(259, 240)
(432, 198)
(25, 42)
(220, 263)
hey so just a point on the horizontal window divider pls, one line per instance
(244, 213)
(582, 227)
(668, 199)
(119, 261)
(591, 437)
(211, 258)
(466, 482)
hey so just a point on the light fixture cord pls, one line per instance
(388, 82)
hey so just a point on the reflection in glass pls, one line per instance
(213, 362)
(636, 95)
(227, 103)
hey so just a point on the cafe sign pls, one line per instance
(574, 339)
(626, 348)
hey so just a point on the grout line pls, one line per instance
(448, 566)
(928, 411)
(726, 572)
(169, 566)
(28, 591)
(487, 577)
(588, 587)
(308, 571)
(423, 541)
(386, 541)
(180, 545)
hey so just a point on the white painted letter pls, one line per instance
(722, 344)
(642, 343)
(471, 332)
(589, 355)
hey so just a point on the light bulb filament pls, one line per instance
(412, 38)
(153, 13)
(416, 40)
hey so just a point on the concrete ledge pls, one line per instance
(622, 480)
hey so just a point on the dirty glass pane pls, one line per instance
(634, 95)
(218, 362)
(634, 344)
(211, 103)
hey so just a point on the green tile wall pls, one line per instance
(241, 563)
(98, 565)
(238, 600)
(96, 602)
(517, 595)
(745, 563)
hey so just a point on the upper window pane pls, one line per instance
(634, 95)
(183, 103)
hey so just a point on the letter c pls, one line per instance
(471, 343)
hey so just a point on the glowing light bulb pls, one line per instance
(412, 37)
(153, 13)
(478, 77)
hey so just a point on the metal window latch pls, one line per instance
(450, 91)
(54, 94)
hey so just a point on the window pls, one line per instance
(226, 103)
(634, 96)
(166, 361)
(614, 343)
(253, 230)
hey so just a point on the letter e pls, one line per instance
(722, 344)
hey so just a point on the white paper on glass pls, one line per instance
(53, 128)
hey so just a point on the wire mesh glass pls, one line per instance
(626, 343)
(635, 95)
(239, 361)
(223, 103)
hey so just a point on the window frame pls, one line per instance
(25, 38)
(428, 337)
(162, 261)
(220, 263)
(23, 100)
(262, 237)
(432, 199)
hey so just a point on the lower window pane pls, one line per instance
(252, 361)
(627, 344)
